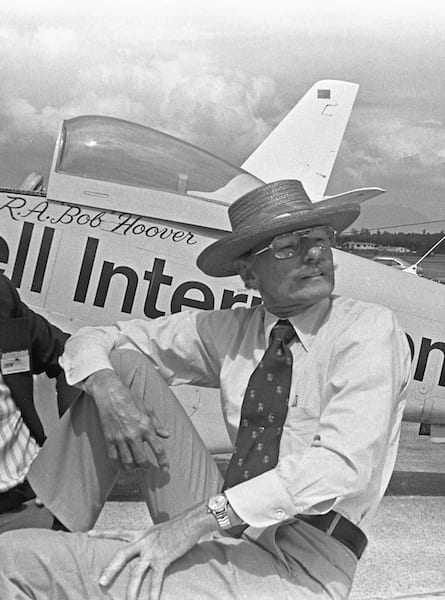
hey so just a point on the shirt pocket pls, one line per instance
(302, 419)
(308, 386)
(298, 432)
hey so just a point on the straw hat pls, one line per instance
(263, 213)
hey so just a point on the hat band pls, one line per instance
(267, 214)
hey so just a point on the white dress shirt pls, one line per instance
(350, 372)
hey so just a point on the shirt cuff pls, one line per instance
(262, 501)
(78, 371)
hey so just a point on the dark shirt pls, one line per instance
(22, 329)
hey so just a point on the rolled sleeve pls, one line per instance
(173, 344)
(87, 351)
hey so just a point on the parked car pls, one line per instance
(399, 263)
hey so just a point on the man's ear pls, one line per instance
(247, 273)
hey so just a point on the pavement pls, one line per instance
(405, 558)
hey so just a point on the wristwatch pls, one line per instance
(217, 505)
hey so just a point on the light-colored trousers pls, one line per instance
(73, 476)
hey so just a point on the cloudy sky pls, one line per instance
(222, 74)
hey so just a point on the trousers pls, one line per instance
(293, 560)
(29, 514)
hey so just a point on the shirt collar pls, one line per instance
(306, 323)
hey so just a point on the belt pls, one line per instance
(15, 497)
(340, 528)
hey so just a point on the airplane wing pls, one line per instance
(304, 145)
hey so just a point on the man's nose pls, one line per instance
(313, 253)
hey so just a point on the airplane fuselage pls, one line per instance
(82, 265)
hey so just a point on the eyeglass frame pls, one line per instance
(299, 234)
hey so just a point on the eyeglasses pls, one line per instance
(297, 242)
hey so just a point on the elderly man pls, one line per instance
(312, 390)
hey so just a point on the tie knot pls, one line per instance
(283, 331)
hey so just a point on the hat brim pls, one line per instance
(219, 258)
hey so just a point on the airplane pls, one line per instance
(128, 209)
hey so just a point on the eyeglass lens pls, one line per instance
(291, 244)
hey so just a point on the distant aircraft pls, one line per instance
(129, 208)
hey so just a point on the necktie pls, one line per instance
(264, 410)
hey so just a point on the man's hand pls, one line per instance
(153, 550)
(126, 423)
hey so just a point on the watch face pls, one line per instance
(217, 502)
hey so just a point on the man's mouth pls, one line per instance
(312, 274)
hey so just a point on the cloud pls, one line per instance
(62, 72)
(224, 110)
(378, 149)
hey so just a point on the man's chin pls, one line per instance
(298, 305)
(316, 288)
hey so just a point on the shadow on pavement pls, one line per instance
(416, 483)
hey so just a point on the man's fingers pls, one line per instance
(156, 445)
(125, 455)
(157, 425)
(160, 430)
(120, 452)
(156, 584)
(132, 454)
(136, 578)
(150, 414)
(140, 455)
(149, 434)
(120, 559)
(112, 450)
(115, 534)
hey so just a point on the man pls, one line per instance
(28, 344)
(312, 390)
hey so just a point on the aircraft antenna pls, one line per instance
(429, 251)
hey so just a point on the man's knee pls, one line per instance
(130, 363)
(13, 545)
(139, 373)
(37, 562)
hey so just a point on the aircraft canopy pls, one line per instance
(118, 151)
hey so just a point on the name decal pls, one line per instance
(125, 224)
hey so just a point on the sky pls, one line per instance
(221, 75)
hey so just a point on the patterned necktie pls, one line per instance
(264, 410)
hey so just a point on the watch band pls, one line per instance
(217, 506)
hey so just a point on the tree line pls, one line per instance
(414, 242)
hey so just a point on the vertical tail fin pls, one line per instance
(304, 145)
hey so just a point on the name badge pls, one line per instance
(16, 361)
